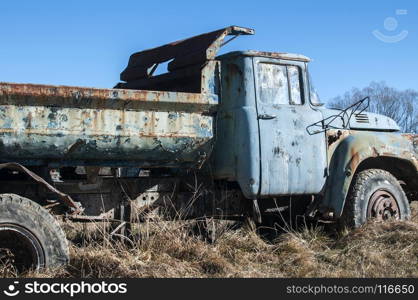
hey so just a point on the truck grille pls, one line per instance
(362, 118)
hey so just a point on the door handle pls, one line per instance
(266, 117)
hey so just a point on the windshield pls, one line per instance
(315, 100)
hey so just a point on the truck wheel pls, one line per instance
(30, 234)
(374, 194)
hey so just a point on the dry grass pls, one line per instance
(169, 249)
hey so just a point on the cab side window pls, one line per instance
(279, 84)
(273, 84)
(294, 85)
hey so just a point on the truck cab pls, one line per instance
(265, 109)
(278, 142)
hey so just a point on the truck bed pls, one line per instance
(63, 125)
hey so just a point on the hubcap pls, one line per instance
(383, 206)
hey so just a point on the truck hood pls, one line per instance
(361, 121)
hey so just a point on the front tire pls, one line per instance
(31, 234)
(374, 194)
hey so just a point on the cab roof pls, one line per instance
(277, 55)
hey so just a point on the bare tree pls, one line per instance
(402, 106)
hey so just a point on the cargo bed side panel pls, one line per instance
(67, 126)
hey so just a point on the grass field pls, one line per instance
(171, 249)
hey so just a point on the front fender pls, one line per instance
(347, 150)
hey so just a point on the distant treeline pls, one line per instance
(400, 105)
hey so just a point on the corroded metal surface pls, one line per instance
(75, 126)
(413, 138)
(265, 54)
(192, 51)
(191, 67)
(349, 149)
(68, 96)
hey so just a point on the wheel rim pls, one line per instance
(23, 245)
(383, 206)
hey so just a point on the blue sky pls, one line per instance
(88, 43)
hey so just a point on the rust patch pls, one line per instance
(332, 138)
(99, 98)
(197, 49)
(355, 160)
(375, 152)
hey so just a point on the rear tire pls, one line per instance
(31, 234)
(374, 194)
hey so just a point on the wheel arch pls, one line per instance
(366, 150)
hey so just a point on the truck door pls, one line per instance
(292, 161)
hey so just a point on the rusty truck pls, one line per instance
(238, 136)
